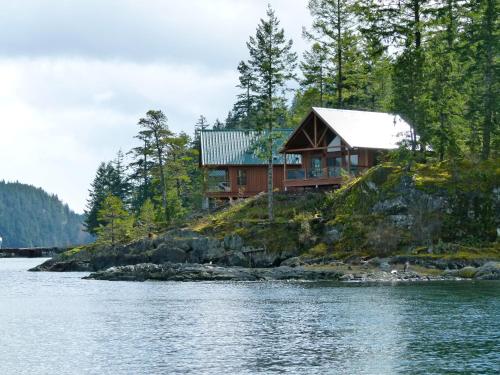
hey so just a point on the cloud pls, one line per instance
(61, 117)
(75, 77)
(211, 32)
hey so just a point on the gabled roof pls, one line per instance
(363, 129)
(239, 147)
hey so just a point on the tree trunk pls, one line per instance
(490, 101)
(339, 57)
(162, 177)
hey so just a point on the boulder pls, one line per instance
(236, 259)
(292, 262)
(233, 242)
(488, 271)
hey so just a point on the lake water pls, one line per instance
(56, 323)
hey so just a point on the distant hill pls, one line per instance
(29, 217)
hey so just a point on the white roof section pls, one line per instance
(365, 129)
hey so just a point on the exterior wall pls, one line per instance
(256, 176)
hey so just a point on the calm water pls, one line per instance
(53, 323)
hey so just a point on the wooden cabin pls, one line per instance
(234, 166)
(327, 146)
(337, 143)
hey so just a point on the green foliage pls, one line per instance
(117, 223)
(29, 217)
(146, 221)
(248, 219)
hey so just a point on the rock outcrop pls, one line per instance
(177, 246)
(206, 272)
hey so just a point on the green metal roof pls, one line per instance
(241, 147)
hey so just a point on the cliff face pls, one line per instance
(444, 216)
(431, 209)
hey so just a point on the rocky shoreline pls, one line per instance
(209, 272)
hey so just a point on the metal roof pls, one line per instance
(365, 129)
(240, 147)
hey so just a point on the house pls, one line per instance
(328, 145)
(334, 143)
(234, 163)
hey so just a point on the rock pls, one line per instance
(402, 221)
(488, 271)
(462, 273)
(292, 262)
(199, 272)
(169, 254)
(233, 242)
(394, 206)
(385, 266)
(206, 250)
(332, 235)
(236, 258)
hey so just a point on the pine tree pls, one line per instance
(273, 63)
(482, 45)
(244, 110)
(332, 27)
(141, 167)
(146, 221)
(157, 132)
(117, 224)
(315, 69)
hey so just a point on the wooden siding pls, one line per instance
(256, 176)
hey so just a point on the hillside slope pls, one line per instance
(29, 217)
(432, 210)
(437, 216)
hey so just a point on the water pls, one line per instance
(56, 323)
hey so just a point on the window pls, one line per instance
(316, 170)
(334, 166)
(242, 177)
(354, 160)
(218, 180)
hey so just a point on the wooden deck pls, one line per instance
(313, 182)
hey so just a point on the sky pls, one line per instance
(76, 76)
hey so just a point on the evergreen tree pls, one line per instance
(273, 63)
(155, 129)
(141, 167)
(316, 71)
(146, 221)
(200, 125)
(482, 42)
(117, 224)
(245, 108)
(332, 28)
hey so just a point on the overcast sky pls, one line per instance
(76, 75)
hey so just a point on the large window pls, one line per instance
(242, 177)
(218, 180)
(315, 169)
(334, 166)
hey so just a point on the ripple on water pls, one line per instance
(56, 323)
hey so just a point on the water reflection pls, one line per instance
(59, 324)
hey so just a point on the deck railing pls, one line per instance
(323, 173)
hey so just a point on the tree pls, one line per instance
(141, 168)
(482, 43)
(117, 224)
(107, 181)
(273, 63)
(157, 132)
(245, 108)
(315, 70)
(200, 125)
(146, 221)
(332, 28)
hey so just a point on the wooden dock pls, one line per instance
(34, 252)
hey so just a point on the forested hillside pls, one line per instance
(431, 62)
(30, 217)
